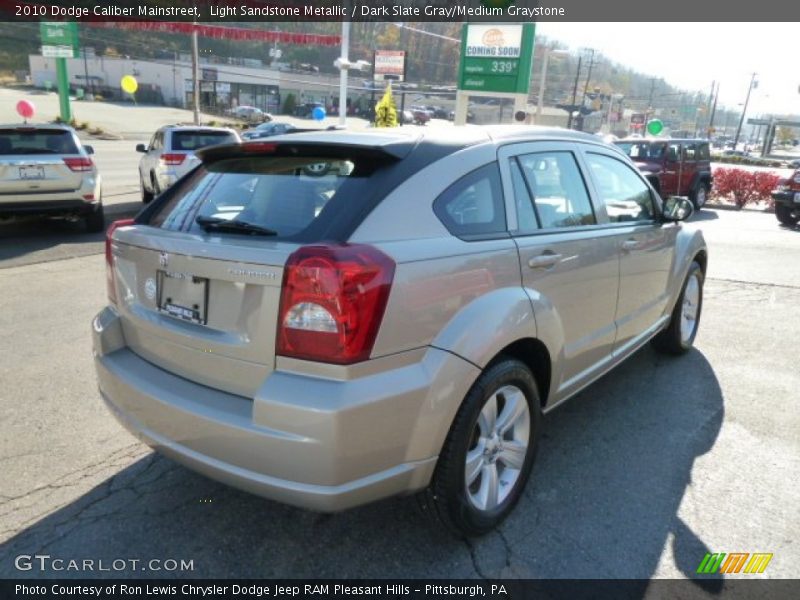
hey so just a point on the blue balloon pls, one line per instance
(318, 114)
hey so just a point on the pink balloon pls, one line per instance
(25, 109)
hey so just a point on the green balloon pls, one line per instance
(655, 127)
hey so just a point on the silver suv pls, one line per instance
(171, 154)
(397, 324)
(46, 171)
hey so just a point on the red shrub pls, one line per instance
(744, 187)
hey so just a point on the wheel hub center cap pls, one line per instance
(493, 447)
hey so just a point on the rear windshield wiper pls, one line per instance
(232, 225)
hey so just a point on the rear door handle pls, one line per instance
(543, 261)
(629, 245)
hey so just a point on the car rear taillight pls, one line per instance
(112, 291)
(79, 163)
(332, 302)
(172, 160)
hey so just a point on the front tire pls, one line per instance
(678, 336)
(489, 452)
(785, 215)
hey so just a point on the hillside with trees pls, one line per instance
(432, 59)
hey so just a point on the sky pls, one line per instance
(692, 55)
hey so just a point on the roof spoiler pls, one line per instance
(287, 147)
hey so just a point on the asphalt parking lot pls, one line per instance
(656, 464)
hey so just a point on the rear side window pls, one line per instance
(286, 194)
(37, 141)
(703, 152)
(188, 141)
(473, 205)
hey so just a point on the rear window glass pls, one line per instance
(642, 151)
(285, 194)
(37, 141)
(194, 140)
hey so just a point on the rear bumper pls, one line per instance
(323, 444)
(73, 206)
(80, 201)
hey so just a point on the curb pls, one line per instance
(733, 208)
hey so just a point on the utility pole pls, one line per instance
(86, 74)
(650, 101)
(588, 78)
(744, 110)
(713, 112)
(710, 97)
(574, 93)
(195, 78)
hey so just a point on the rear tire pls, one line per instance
(784, 215)
(498, 451)
(699, 195)
(678, 336)
(147, 197)
(95, 220)
(156, 188)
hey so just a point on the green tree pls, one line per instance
(785, 136)
(289, 104)
(386, 111)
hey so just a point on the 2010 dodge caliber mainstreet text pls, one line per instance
(394, 322)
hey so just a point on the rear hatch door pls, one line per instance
(198, 292)
(32, 161)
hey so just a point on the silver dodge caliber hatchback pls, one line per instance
(396, 322)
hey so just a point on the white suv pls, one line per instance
(171, 154)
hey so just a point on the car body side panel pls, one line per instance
(689, 242)
(430, 295)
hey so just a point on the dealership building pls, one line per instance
(224, 82)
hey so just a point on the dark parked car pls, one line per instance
(268, 130)
(787, 199)
(306, 109)
(675, 167)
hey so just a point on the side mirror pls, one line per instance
(141, 148)
(677, 209)
(89, 149)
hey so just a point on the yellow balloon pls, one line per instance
(129, 84)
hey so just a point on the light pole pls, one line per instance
(343, 73)
(545, 60)
(195, 78)
(753, 84)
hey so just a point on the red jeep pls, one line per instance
(787, 200)
(675, 167)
